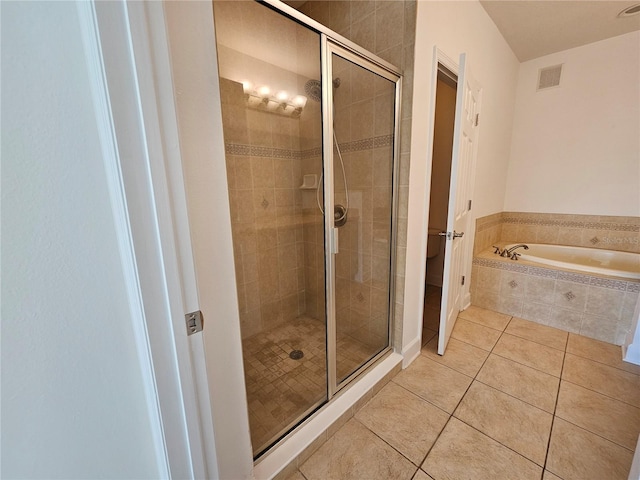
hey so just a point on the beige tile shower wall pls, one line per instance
(386, 28)
(593, 231)
(263, 170)
(590, 305)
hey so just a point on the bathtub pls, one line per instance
(589, 260)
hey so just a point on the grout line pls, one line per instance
(555, 408)
(600, 393)
(462, 397)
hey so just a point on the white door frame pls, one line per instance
(128, 52)
(419, 212)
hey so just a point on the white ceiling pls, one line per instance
(535, 28)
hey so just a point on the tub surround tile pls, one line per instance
(531, 354)
(602, 328)
(528, 384)
(599, 351)
(463, 452)
(494, 413)
(567, 320)
(512, 284)
(570, 295)
(511, 305)
(571, 455)
(609, 381)
(355, 452)
(604, 302)
(539, 289)
(599, 414)
(403, 420)
(460, 356)
(475, 334)
(488, 318)
(551, 337)
(440, 385)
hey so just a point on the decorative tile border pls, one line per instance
(534, 219)
(356, 146)
(584, 279)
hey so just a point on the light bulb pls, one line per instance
(264, 91)
(282, 96)
(299, 101)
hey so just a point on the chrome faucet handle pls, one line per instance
(497, 249)
(514, 256)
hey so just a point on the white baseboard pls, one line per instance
(411, 352)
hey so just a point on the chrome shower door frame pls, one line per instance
(364, 59)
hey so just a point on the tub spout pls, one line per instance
(513, 255)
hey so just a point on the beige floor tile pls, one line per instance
(496, 414)
(609, 381)
(475, 334)
(528, 384)
(420, 475)
(404, 421)
(462, 452)
(296, 476)
(550, 476)
(576, 454)
(436, 383)
(354, 452)
(600, 352)
(526, 352)
(460, 356)
(549, 336)
(604, 416)
(485, 317)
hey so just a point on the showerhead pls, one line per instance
(313, 88)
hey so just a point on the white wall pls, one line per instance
(576, 147)
(73, 402)
(457, 27)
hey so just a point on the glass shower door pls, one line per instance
(364, 124)
(272, 119)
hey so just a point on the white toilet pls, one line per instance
(433, 242)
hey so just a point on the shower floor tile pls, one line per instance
(281, 390)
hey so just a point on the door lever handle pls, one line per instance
(457, 235)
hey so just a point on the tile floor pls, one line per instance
(281, 390)
(510, 399)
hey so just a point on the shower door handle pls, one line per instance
(334, 241)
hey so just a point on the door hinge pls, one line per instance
(477, 119)
(462, 279)
(469, 205)
(194, 322)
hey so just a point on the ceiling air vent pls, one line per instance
(549, 77)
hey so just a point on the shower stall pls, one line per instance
(310, 124)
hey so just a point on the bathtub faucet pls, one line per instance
(513, 255)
